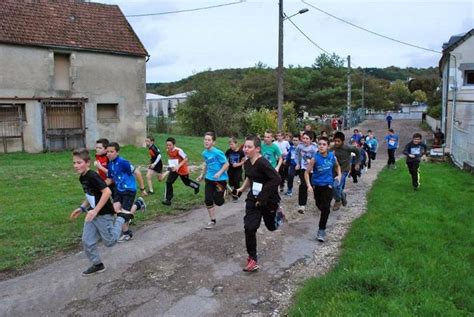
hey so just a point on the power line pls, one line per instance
(312, 42)
(307, 37)
(108, 17)
(372, 32)
(184, 10)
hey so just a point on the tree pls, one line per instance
(419, 96)
(216, 105)
(399, 93)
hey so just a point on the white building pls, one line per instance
(158, 105)
(457, 70)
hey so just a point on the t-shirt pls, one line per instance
(323, 169)
(372, 143)
(214, 159)
(392, 141)
(415, 149)
(344, 156)
(104, 161)
(262, 175)
(389, 118)
(284, 146)
(178, 154)
(271, 152)
(121, 172)
(356, 137)
(93, 185)
(234, 157)
(154, 152)
(304, 154)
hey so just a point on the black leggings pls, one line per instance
(413, 168)
(323, 197)
(172, 177)
(303, 189)
(391, 156)
(253, 217)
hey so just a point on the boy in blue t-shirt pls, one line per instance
(215, 176)
(122, 174)
(322, 166)
(391, 139)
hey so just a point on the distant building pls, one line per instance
(70, 73)
(158, 105)
(457, 71)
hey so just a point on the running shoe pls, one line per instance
(98, 268)
(252, 266)
(321, 235)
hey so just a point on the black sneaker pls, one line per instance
(166, 202)
(150, 192)
(98, 268)
(196, 190)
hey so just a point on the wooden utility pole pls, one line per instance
(280, 66)
(349, 87)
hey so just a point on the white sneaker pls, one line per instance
(210, 225)
(301, 209)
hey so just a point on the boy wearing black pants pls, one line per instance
(322, 165)
(262, 200)
(414, 151)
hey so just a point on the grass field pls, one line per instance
(411, 254)
(39, 191)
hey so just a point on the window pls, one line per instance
(468, 77)
(61, 71)
(107, 112)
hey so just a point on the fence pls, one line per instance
(353, 117)
(433, 123)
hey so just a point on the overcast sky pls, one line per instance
(246, 33)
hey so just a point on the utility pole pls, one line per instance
(349, 85)
(363, 88)
(280, 66)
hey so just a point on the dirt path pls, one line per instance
(175, 268)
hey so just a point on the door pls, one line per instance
(63, 125)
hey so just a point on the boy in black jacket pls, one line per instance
(262, 200)
(414, 151)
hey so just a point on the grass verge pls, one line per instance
(411, 253)
(39, 191)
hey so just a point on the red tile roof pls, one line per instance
(70, 24)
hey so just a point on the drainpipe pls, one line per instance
(453, 110)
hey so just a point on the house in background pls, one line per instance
(158, 105)
(71, 72)
(457, 70)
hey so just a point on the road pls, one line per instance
(176, 268)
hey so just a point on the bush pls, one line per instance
(435, 111)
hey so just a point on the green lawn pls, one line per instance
(411, 254)
(39, 191)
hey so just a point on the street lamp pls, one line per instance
(281, 17)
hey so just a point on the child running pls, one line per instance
(156, 164)
(101, 160)
(372, 145)
(391, 139)
(344, 155)
(215, 176)
(323, 166)
(99, 222)
(262, 199)
(178, 166)
(414, 152)
(284, 146)
(271, 151)
(304, 152)
(121, 174)
(236, 157)
(291, 162)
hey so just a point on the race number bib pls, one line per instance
(173, 162)
(391, 142)
(256, 188)
(91, 200)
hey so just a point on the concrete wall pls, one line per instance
(28, 72)
(395, 116)
(433, 123)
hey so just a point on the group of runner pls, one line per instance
(261, 167)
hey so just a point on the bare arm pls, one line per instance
(306, 174)
(245, 185)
